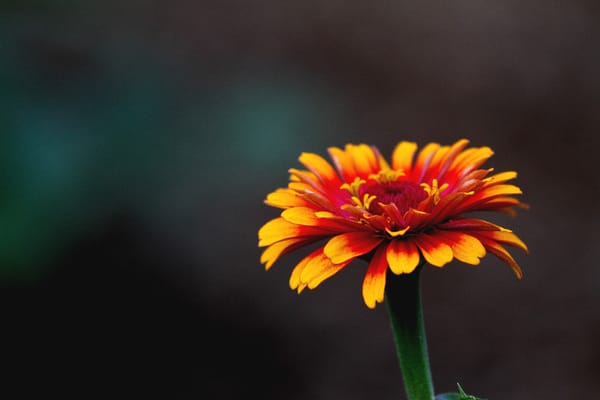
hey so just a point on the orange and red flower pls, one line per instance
(395, 215)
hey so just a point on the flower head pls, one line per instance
(394, 215)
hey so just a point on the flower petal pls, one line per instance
(373, 288)
(505, 237)
(319, 268)
(446, 207)
(500, 252)
(308, 178)
(475, 224)
(301, 216)
(449, 157)
(286, 198)
(480, 199)
(402, 156)
(465, 248)
(435, 251)
(502, 204)
(350, 245)
(279, 229)
(416, 218)
(364, 158)
(295, 281)
(321, 168)
(276, 250)
(501, 177)
(469, 160)
(322, 219)
(433, 168)
(500, 189)
(422, 163)
(402, 256)
(343, 163)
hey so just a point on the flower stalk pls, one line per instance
(403, 300)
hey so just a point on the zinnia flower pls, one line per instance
(394, 215)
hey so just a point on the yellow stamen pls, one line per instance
(387, 175)
(368, 199)
(354, 186)
(434, 190)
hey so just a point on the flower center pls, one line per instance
(403, 194)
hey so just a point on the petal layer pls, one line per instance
(435, 251)
(402, 256)
(320, 268)
(465, 248)
(373, 288)
(350, 245)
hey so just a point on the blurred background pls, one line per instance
(138, 140)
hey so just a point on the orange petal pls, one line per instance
(501, 177)
(449, 157)
(364, 159)
(500, 189)
(318, 269)
(343, 163)
(350, 245)
(423, 159)
(468, 182)
(327, 219)
(435, 251)
(501, 203)
(505, 237)
(470, 159)
(471, 224)
(300, 216)
(485, 195)
(415, 218)
(392, 212)
(279, 229)
(465, 248)
(441, 160)
(295, 281)
(286, 198)
(275, 230)
(300, 186)
(500, 252)
(308, 178)
(276, 250)
(446, 207)
(402, 256)
(402, 156)
(321, 168)
(317, 200)
(373, 288)
(436, 162)
(308, 217)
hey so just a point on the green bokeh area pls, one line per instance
(92, 128)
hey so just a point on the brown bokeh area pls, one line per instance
(142, 137)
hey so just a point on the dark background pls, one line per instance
(139, 138)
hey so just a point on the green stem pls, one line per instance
(403, 299)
